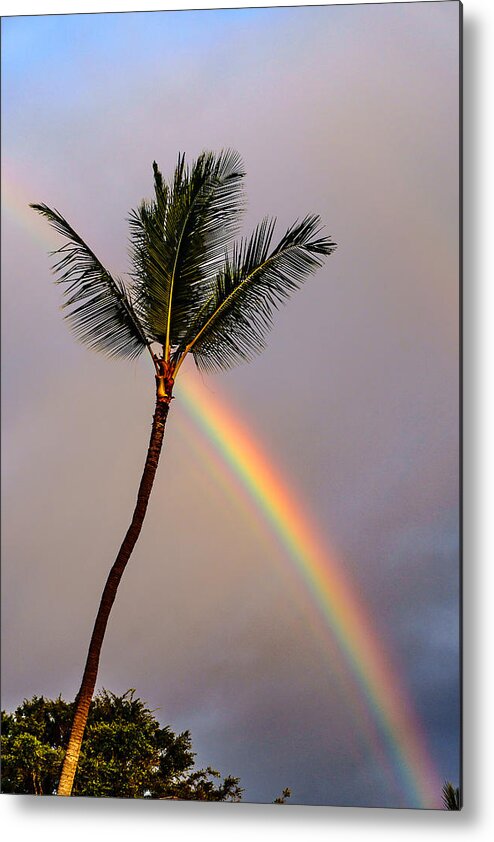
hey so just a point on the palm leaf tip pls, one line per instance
(157, 175)
(98, 306)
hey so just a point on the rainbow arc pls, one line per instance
(340, 610)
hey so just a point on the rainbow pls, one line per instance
(372, 685)
(335, 599)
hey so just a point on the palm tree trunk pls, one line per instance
(85, 694)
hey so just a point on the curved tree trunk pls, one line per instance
(85, 694)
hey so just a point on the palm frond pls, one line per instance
(451, 796)
(99, 308)
(176, 254)
(148, 257)
(232, 324)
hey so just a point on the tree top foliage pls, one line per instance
(125, 753)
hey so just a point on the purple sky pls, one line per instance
(350, 112)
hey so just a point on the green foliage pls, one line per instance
(451, 796)
(125, 753)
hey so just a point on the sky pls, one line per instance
(350, 112)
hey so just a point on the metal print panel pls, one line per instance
(243, 393)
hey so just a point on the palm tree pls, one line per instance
(190, 291)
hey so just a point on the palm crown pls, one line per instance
(191, 289)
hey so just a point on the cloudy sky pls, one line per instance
(350, 112)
